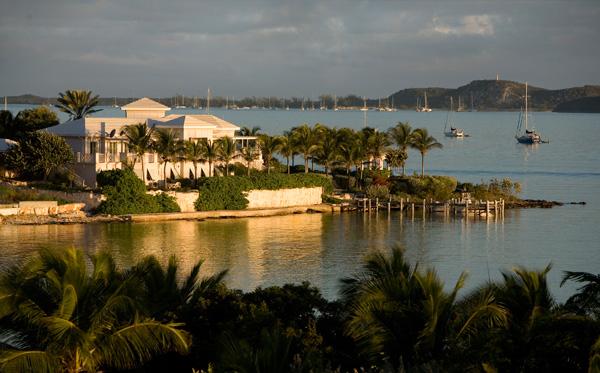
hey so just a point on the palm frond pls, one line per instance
(28, 361)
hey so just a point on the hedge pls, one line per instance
(126, 194)
(227, 193)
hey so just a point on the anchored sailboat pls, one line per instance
(425, 108)
(525, 135)
(449, 129)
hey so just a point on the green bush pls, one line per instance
(167, 203)
(495, 189)
(437, 187)
(227, 193)
(10, 195)
(126, 194)
(378, 191)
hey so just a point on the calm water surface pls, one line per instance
(324, 248)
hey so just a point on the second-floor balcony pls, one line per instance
(95, 158)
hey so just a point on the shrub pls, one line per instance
(126, 194)
(227, 193)
(495, 189)
(167, 203)
(436, 187)
(378, 191)
(37, 155)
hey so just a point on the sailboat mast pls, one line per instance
(208, 102)
(5, 104)
(526, 106)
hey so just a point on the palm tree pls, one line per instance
(62, 317)
(377, 146)
(423, 143)
(395, 158)
(167, 147)
(349, 155)
(194, 152)
(401, 136)
(211, 150)
(249, 154)
(164, 292)
(327, 148)
(139, 137)
(227, 151)
(77, 103)
(587, 299)
(402, 317)
(287, 148)
(269, 145)
(246, 131)
(304, 142)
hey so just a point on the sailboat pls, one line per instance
(449, 129)
(115, 103)
(425, 108)
(182, 105)
(525, 135)
(364, 108)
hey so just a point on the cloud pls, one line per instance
(479, 24)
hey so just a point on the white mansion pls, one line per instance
(99, 144)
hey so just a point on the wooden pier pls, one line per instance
(408, 206)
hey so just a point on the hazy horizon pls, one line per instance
(292, 49)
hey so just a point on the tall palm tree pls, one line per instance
(423, 143)
(140, 139)
(269, 145)
(211, 150)
(327, 148)
(378, 143)
(401, 136)
(349, 155)
(249, 154)
(167, 146)
(287, 148)
(401, 316)
(227, 151)
(77, 103)
(304, 142)
(62, 317)
(194, 152)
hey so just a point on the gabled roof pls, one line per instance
(145, 104)
(204, 120)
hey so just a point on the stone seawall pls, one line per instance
(41, 208)
(284, 197)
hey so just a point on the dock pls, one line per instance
(411, 207)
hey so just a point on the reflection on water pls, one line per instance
(324, 248)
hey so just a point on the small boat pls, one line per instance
(449, 129)
(525, 135)
(115, 103)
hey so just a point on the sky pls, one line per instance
(301, 48)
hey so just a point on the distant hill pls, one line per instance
(490, 95)
(486, 95)
(580, 105)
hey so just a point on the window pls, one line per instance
(93, 147)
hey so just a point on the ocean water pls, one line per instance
(324, 248)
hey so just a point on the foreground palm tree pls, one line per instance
(167, 146)
(62, 317)
(249, 154)
(77, 103)
(227, 151)
(587, 299)
(401, 136)
(269, 145)
(422, 142)
(401, 317)
(140, 140)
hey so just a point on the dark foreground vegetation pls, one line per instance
(60, 311)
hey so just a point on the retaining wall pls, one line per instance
(41, 208)
(284, 197)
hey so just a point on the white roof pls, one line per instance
(200, 120)
(145, 104)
